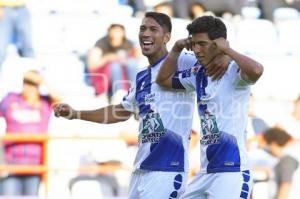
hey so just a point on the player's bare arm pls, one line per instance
(251, 70)
(169, 67)
(105, 115)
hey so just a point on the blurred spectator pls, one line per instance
(260, 160)
(279, 143)
(256, 125)
(15, 23)
(164, 7)
(292, 122)
(220, 7)
(268, 6)
(196, 9)
(180, 8)
(25, 112)
(107, 181)
(112, 60)
(138, 6)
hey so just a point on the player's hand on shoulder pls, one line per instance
(64, 110)
(222, 44)
(218, 66)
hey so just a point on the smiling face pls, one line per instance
(153, 38)
(204, 48)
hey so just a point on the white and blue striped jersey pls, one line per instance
(222, 107)
(165, 121)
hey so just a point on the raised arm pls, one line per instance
(105, 115)
(169, 66)
(251, 70)
(38, 79)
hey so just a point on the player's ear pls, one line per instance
(167, 37)
(214, 45)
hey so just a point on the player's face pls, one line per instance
(203, 48)
(152, 37)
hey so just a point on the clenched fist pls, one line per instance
(181, 44)
(64, 110)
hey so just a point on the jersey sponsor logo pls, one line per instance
(151, 137)
(174, 163)
(205, 99)
(152, 128)
(229, 163)
(149, 98)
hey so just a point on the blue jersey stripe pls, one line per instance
(143, 88)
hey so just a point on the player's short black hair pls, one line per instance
(213, 26)
(162, 19)
(277, 135)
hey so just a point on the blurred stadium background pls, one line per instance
(64, 30)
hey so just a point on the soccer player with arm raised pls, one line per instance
(222, 107)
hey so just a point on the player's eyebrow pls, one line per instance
(151, 26)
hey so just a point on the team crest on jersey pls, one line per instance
(152, 128)
(210, 131)
(195, 70)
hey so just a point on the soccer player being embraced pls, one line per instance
(222, 107)
(160, 168)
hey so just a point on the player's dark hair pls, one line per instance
(277, 135)
(162, 19)
(213, 26)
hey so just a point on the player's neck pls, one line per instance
(157, 57)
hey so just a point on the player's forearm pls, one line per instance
(106, 115)
(167, 69)
(251, 70)
(283, 191)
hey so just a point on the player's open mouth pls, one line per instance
(147, 44)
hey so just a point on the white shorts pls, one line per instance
(225, 185)
(157, 184)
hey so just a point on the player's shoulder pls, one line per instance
(187, 54)
(233, 69)
(186, 60)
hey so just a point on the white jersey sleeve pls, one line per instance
(129, 101)
(239, 82)
(186, 65)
